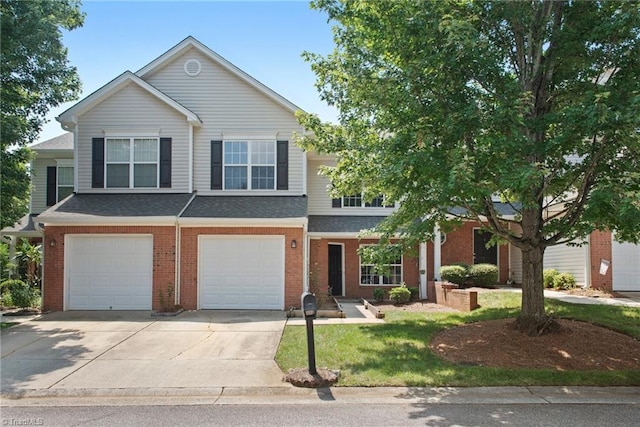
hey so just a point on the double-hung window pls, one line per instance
(357, 201)
(249, 165)
(388, 274)
(65, 181)
(132, 162)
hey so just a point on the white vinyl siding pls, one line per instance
(568, 259)
(134, 111)
(515, 261)
(39, 184)
(321, 204)
(225, 103)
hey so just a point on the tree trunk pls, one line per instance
(533, 320)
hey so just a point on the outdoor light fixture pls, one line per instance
(52, 243)
(294, 244)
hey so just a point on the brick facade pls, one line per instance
(164, 255)
(319, 271)
(600, 249)
(458, 248)
(189, 260)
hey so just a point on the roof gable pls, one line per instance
(191, 42)
(69, 117)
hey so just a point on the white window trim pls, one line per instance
(132, 161)
(249, 164)
(63, 163)
(380, 284)
(363, 203)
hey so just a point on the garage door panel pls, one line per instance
(626, 266)
(112, 272)
(241, 272)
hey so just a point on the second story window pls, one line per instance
(249, 165)
(357, 201)
(131, 162)
(65, 181)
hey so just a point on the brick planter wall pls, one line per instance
(448, 294)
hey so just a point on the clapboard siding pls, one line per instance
(132, 109)
(319, 200)
(39, 183)
(226, 104)
(515, 263)
(568, 259)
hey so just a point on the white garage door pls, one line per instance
(625, 266)
(241, 272)
(113, 272)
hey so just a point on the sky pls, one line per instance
(263, 38)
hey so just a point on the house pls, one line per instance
(187, 187)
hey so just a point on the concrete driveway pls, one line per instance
(69, 351)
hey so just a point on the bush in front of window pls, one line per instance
(400, 295)
(485, 275)
(454, 273)
(378, 294)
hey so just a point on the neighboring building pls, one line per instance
(186, 185)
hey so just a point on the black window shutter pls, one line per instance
(336, 203)
(282, 165)
(52, 185)
(216, 165)
(97, 169)
(165, 162)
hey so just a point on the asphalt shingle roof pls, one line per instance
(247, 207)
(61, 142)
(24, 225)
(342, 224)
(120, 205)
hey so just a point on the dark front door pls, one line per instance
(335, 269)
(482, 254)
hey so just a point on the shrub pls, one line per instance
(378, 294)
(21, 294)
(564, 281)
(454, 273)
(483, 275)
(415, 293)
(5, 300)
(400, 295)
(548, 276)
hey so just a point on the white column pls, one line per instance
(437, 261)
(423, 270)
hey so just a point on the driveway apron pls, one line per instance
(119, 350)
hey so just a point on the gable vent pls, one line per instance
(192, 67)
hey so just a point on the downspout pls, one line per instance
(304, 169)
(587, 263)
(190, 158)
(305, 257)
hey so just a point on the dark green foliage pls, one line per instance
(400, 295)
(564, 281)
(415, 293)
(454, 273)
(484, 275)
(36, 76)
(21, 294)
(548, 277)
(378, 294)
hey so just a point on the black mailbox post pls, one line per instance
(309, 311)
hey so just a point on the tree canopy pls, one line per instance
(457, 104)
(35, 76)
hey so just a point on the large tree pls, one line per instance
(36, 76)
(446, 106)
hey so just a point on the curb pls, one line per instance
(292, 395)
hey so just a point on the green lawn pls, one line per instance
(396, 353)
